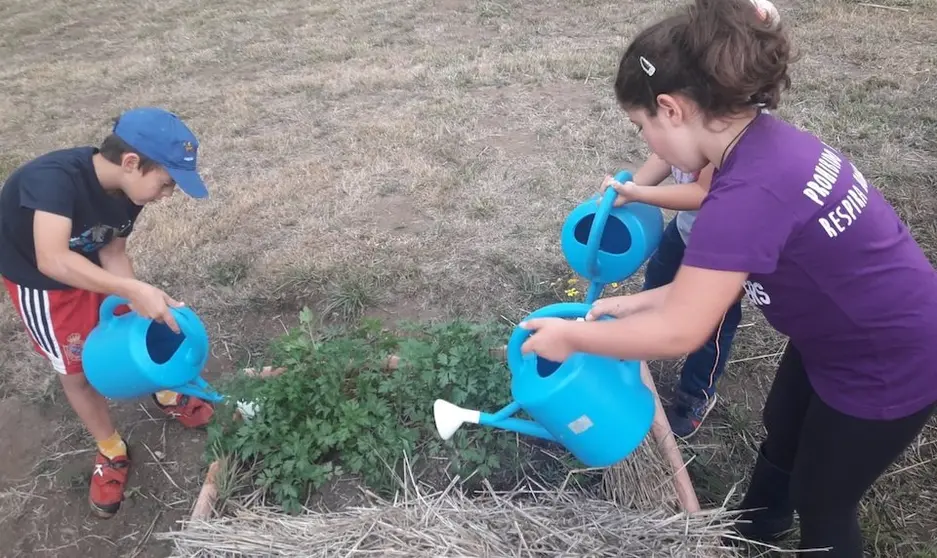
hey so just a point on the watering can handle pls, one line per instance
(567, 310)
(192, 354)
(106, 311)
(599, 221)
(111, 303)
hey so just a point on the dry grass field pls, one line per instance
(410, 159)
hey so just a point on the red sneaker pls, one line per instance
(191, 411)
(107, 484)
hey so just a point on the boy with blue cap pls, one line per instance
(64, 221)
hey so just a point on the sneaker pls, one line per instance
(687, 414)
(107, 484)
(191, 411)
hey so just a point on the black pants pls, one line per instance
(832, 458)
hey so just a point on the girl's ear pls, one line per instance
(671, 109)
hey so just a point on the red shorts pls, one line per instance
(58, 322)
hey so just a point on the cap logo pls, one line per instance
(189, 150)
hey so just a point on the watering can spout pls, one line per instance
(450, 417)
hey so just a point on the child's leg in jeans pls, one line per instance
(702, 368)
(838, 459)
(664, 262)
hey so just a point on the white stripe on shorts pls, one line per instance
(36, 313)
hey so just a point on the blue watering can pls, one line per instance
(607, 244)
(595, 406)
(130, 356)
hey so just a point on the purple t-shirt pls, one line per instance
(830, 264)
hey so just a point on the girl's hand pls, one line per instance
(627, 192)
(613, 306)
(550, 338)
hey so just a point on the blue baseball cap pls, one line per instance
(161, 136)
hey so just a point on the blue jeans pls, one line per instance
(703, 367)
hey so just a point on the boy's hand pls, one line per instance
(153, 303)
(627, 192)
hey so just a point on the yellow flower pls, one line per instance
(572, 292)
(572, 281)
(614, 285)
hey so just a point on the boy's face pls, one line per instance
(141, 188)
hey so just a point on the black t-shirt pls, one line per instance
(61, 182)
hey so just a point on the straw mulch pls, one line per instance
(528, 521)
(643, 482)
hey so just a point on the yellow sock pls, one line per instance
(113, 446)
(167, 397)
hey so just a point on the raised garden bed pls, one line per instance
(358, 403)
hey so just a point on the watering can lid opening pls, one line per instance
(170, 352)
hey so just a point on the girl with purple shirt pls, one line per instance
(790, 222)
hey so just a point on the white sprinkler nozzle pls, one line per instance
(449, 417)
(247, 408)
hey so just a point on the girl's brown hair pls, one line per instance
(722, 54)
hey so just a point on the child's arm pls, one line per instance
(678, 197)
(652, 172)
(54, 259)
(115, 259)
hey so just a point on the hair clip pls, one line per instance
(648, 68)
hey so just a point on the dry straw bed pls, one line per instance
(633, 516)
(528, 521)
